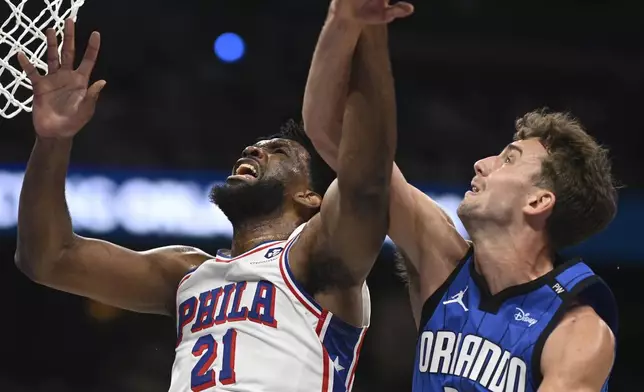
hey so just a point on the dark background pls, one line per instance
(464, 70)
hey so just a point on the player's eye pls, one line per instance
(508, 158)
(280, 151)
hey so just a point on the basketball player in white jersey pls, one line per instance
(550, 188)
(286, 308)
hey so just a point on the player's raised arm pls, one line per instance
(417, 224)
(48, 250)
(326, 86)
(348, 232)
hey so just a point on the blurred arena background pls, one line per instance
(178, 109)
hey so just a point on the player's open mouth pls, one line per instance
(246, 169)
(474, 189)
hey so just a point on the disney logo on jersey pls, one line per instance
(273, 252)
(473, 359)
(524, 317)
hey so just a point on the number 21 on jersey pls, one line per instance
(203, 376)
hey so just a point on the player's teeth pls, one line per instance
(247, 167)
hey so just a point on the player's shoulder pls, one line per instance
(584, 319)
(188, 255)
(581, 328)
(580, 351)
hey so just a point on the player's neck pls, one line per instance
(251, 234)
(508, 258)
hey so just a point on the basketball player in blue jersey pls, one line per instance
(317, 306)
(500, 313)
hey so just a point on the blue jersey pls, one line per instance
(471, 340)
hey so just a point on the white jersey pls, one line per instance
(244, 324)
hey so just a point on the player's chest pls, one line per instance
(461, 326)
(221, 292)
(206, 306)
(477, 359)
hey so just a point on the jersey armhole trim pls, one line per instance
(432, 302)
(552, 324)
(186, 276)
(307, 299)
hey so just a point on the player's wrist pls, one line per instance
(342, 21)
(54, 141)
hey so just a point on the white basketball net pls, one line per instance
(24, 30)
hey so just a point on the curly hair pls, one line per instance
(577, 170)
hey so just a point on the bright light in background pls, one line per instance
(141, 206)
(229, 47)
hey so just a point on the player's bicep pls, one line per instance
(425, 233)
(139, 281)
(579, 354)
(348, 233)
(403, 217)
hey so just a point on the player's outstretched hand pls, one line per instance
(370, 12)
(63, 103)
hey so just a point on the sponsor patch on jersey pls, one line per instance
(273, 252)
(522, 317)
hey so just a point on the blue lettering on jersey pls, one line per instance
(200, 310)
(472, 341)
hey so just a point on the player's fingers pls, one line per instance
(94, 91)
(91, 53)
(53, 62)
(69, 47)
(401, 9)
(29, 68)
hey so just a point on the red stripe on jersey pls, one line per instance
(220, 259)
(184, 279)
(291, 287)
(326, 372)
(355, 359)
(318, 328)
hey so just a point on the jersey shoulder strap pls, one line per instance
(296, 232)
(577, 281)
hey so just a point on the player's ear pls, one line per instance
(308, 199)
(540, 204)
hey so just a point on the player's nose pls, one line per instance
(479, 167)
(484, 166)
(253, 152)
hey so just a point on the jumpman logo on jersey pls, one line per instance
(458, 298)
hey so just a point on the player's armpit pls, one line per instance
(408, 273)
(144, 282)
(579, 354)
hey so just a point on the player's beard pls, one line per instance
(244, 203)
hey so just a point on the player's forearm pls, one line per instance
(326, 87)
(44, 223)
(368, 143)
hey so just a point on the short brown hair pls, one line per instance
(577, 170)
